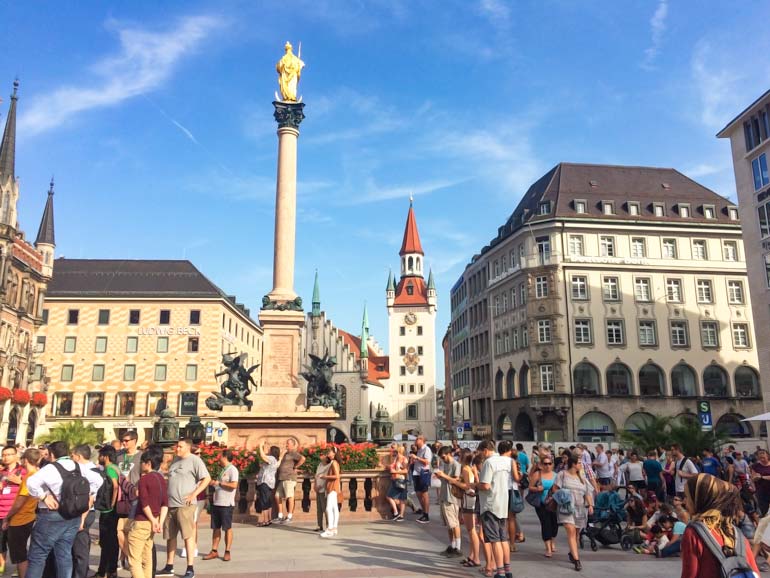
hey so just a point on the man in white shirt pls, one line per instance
(685, 469)
(421, 476)
(223, 506)
(51, 529)
(604, 470)
(492, 489)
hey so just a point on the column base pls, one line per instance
(280, 351)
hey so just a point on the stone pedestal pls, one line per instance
(281, 350)
(250, 429)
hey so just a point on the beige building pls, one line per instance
(122, 339)
(24, 273)
(611, 293)
(749, 135)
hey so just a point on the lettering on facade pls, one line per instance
(607, 260)
(229, 337)
(194, 331)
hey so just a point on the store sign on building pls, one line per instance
(189, 403)
(606, 260)
(163, 330)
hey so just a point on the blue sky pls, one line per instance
(156, 120)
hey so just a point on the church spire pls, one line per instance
(365, 334)
(8, 144)
(431, 283)
(316, 311)
(45, 234)
(411, 242)
(391, 283)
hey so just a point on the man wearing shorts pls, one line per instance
(187, 477)
(450, 505)
(420, 462)
(604, 470)
(492, 490)
(287, 480)
(223, 506)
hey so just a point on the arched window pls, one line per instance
(418, 264)
(637, 421)
(31, 427)
(683, 381)
(505, 427)
(731, 425)
(510, 383)
(595, 424)
(715, 381)
(524, 429)
(651, 381)
(586, 378)
(499, 384)
(13, 427)
(746, 382)
(343, 411)
(524, 380)
(410, 265)
(618, 379)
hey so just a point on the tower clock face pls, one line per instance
(410, 318)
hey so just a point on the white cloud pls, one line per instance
(704, 170)
(657, 28)
(717, 87)
(145, 61)
(373, 193)
(498, 11)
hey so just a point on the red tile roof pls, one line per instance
(378, 367)
(411, 242)
(419, 294)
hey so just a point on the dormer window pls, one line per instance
(709, 212)
(580, 207)
(684, 211)
(544, 208)
(410, 289)
(593, 184)
(608, 207)
(733, 212)
(633, 209)
(659, 209)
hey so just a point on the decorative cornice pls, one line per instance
(288, 114)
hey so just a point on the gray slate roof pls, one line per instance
(130, 278)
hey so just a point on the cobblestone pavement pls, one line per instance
(385, 549)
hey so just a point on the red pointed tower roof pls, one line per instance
(411, 243)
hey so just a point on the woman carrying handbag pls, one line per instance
(539, 489)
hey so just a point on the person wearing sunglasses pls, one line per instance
(542, 482)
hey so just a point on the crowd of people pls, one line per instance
(661, 503)
(700, 508)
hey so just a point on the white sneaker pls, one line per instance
(328, 534)
(184, 553)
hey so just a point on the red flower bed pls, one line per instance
(20, 396)
(5, 394)
(39, 399)
(246, 461)
(353, 457)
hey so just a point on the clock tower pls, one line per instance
(411, 306)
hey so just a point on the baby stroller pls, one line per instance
(605, 526)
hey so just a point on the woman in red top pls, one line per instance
(715, 503)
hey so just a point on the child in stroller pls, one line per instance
(605, 526)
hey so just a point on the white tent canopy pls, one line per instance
(760, 417)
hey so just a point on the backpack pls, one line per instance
(75, 492)
(127, 497)
(736, 566)
(103, 501)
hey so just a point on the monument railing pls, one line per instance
(363, 496)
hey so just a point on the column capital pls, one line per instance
(288, 114)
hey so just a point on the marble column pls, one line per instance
(289, 115)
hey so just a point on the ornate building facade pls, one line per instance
(610, 294)
(25, 270)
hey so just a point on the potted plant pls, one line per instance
(39, 399)
(20, 396)
(5, 394)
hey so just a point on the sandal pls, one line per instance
(520, 538)
(487, 573)
(471, 564)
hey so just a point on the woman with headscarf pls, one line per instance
(714, 503)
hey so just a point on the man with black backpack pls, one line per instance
(66, 493)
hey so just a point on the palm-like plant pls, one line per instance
(651, 433)
(74, 433)
(688, 434)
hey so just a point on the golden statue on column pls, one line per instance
(289, 69)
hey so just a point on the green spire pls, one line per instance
(391, 282)
(365, 334)
(431, 284)
(316, 311)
